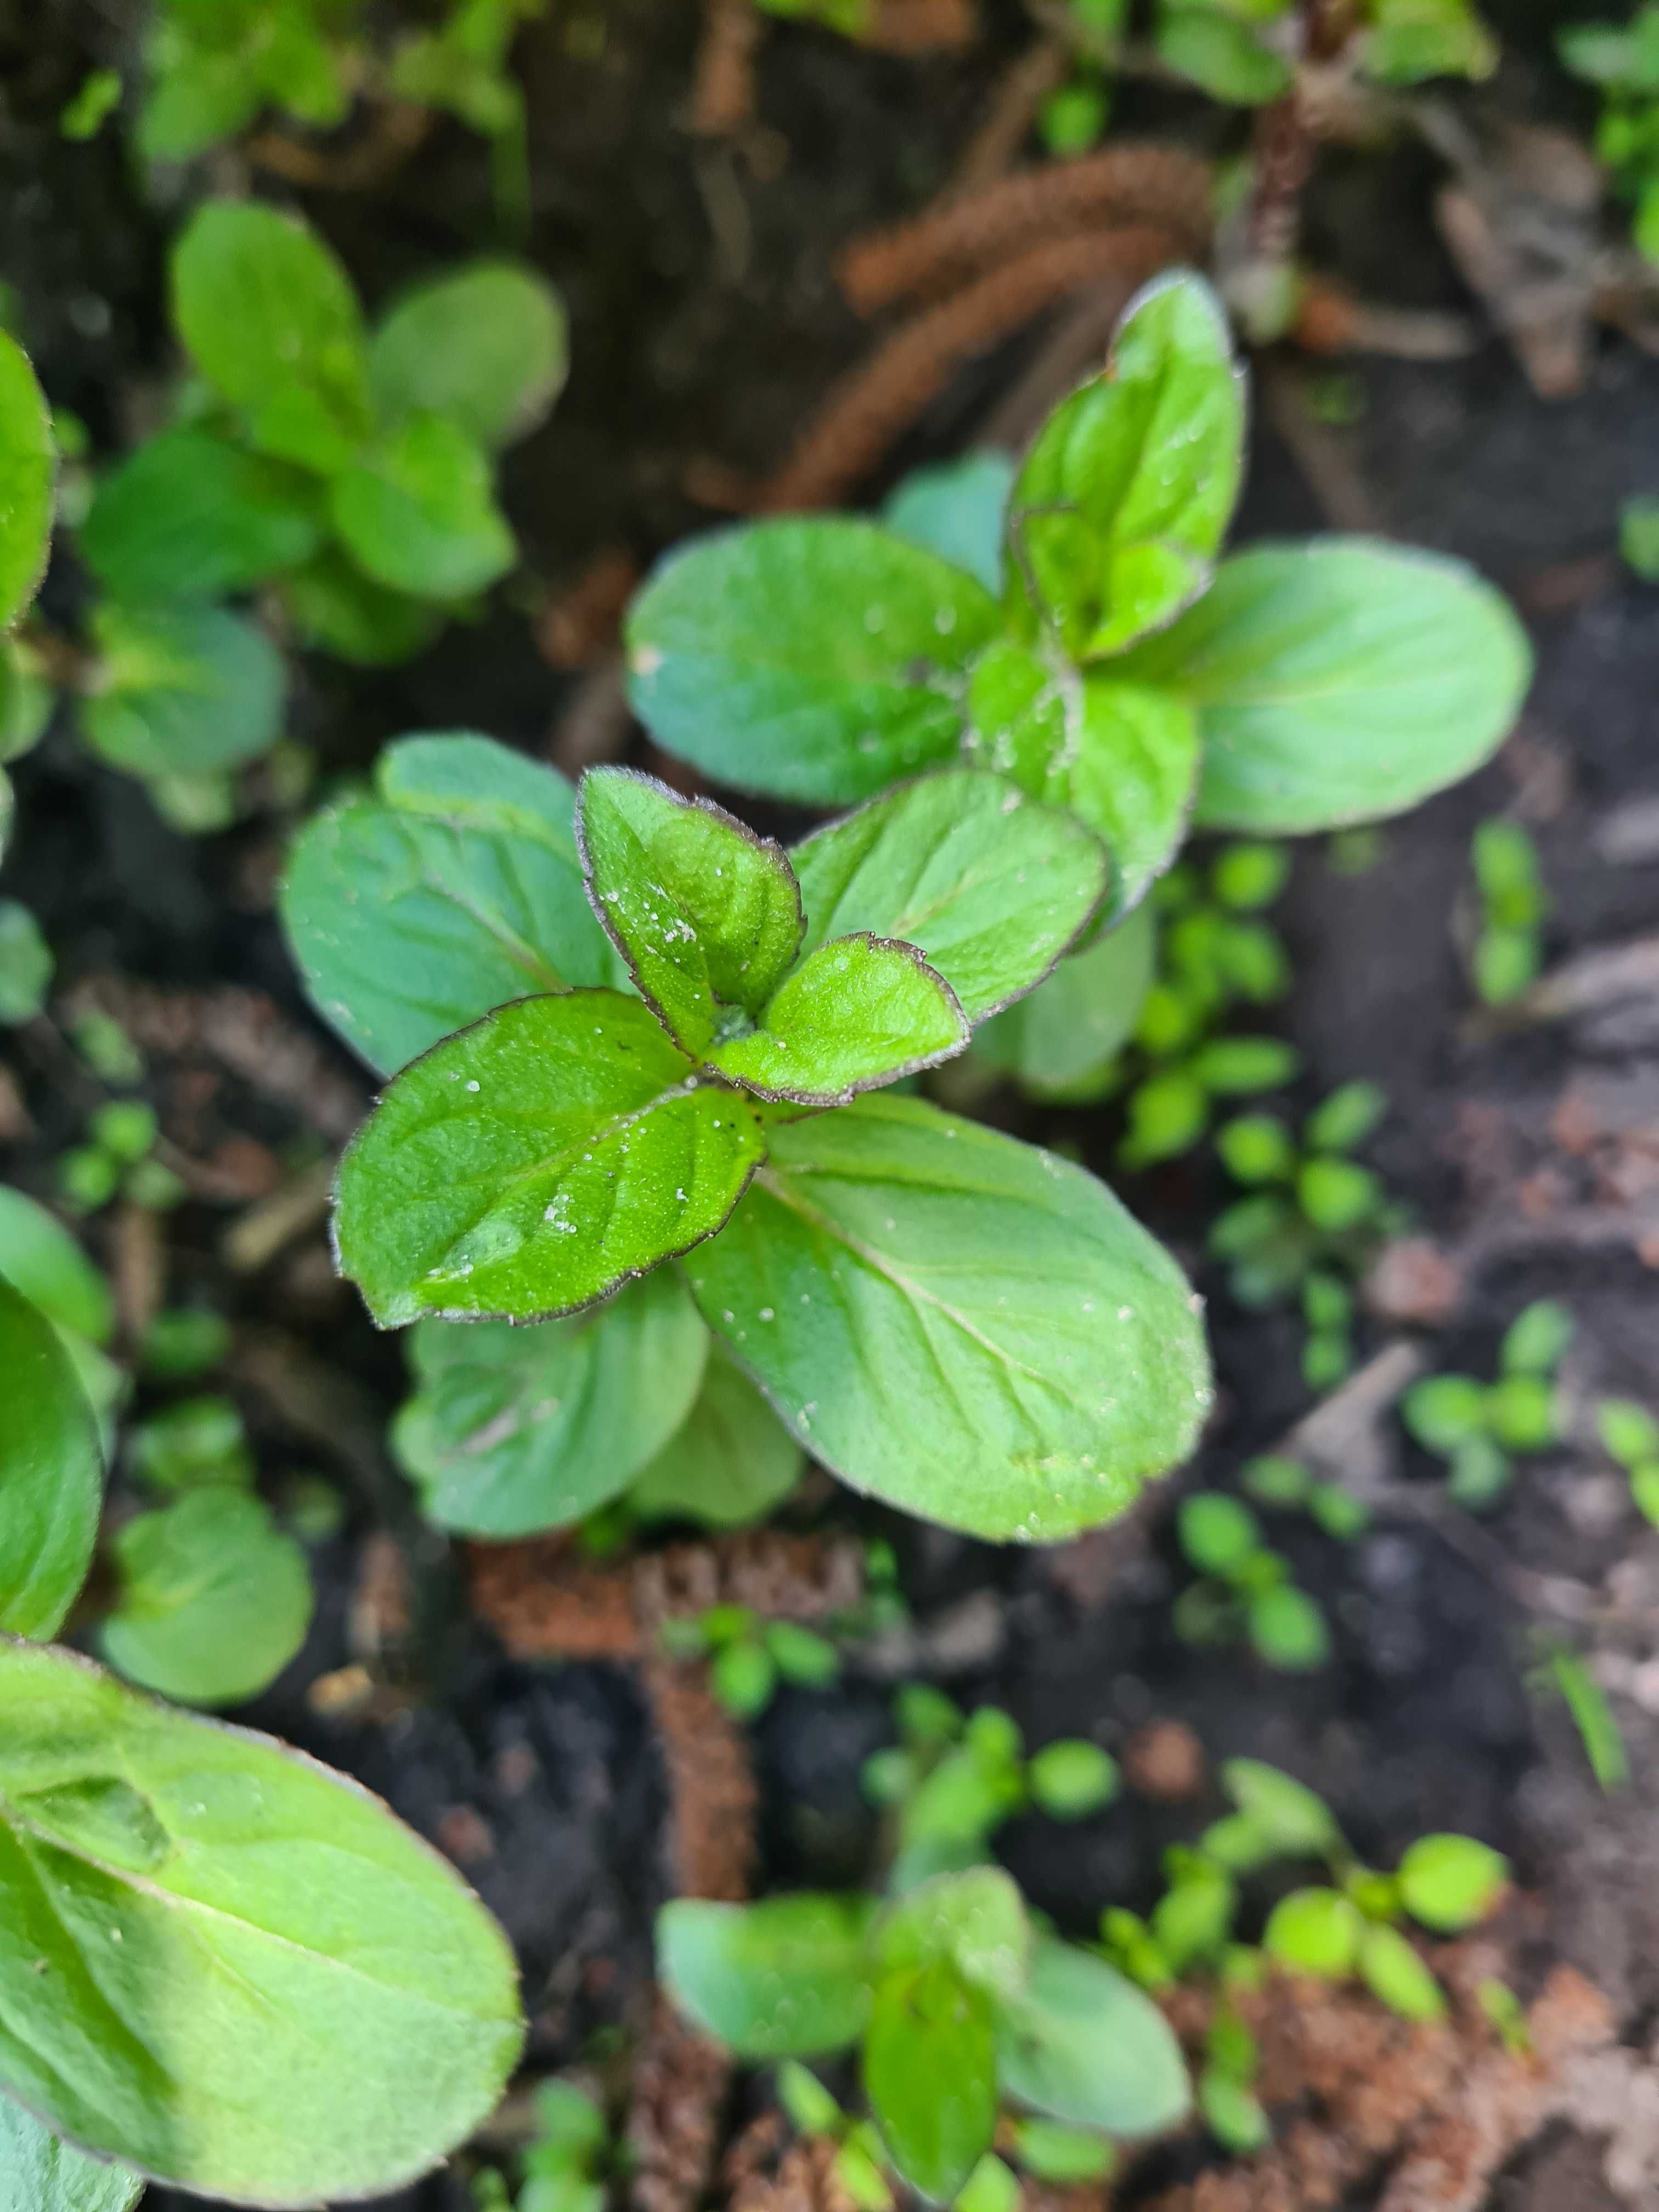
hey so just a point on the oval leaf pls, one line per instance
(730, 1461)
(28, 461)
(486, 347)
(214, 1910)
(42, 1258)
(527, 1166)
(1084, 2045)
(930, 2072)
(1338, 681)
(989, 887)
(419, 512)
(456, 888)
(51, 1473)
(785, 1978)
(891, 1257)
(1062, 1040)
(190, 516)
(512, 1430)
(817, 659)
(187, 691)
(859, 1012)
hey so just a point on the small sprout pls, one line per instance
(1507, 2014)
(1619, 59)
(184, 1342)
(1566, 1673)
(1062, 2156)
(1639, 535)
(26, 961)
(1630, 1433)
(1246, 1589)
(1392, 1969)
(809, 2104)
(1315, 1931)
(1508, 951)
(1069, 1780)
(197, 1442)
(1477, 1427)
(991, 2187)
(1451, 1882)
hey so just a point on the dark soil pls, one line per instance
(705, 325)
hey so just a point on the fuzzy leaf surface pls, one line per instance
(487, 347)
(857, 1013)
(187, 692)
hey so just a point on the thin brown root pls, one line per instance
(397, 132)
(997, 145)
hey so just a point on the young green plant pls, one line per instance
(1480, 1428)
(1508, 947)
(1246, 1588)
(1623, 60)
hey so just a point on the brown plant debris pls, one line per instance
(584, 620)
(1132, 185)
(680, 2084)
(921, 27)
(769, 2168)
(723, 78)
(879, 400)
(713, 1798)
(1164, 1760)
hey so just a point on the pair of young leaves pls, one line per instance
(1118, 667)
(957, 2001)
(971, 1328)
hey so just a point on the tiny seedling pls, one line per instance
(1563, 1671)
(118, 1160)
(1480, 1428)
(1623, 60)
(41, 1260)
(1509, 948)
(860, 2157)
(565, 2165)
(1286, 1485)
(1638, 534)
(26, 965)
(1312, 1221)
(686, 1086)
(1246, 1588)
(749, 1658)
(1630, 1433)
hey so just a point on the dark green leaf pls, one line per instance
(28, 464)
(191, 516)
(990, 889)
(214, 1910)
(1338, 681)
(1064, 1036)
(730, 1462)
(26, 965)
(184, 691)
(930, 2072)
(43, 1260)
(892, 1256)
(818, 660)
(512, 1431)
(213, 1599)
(536, 1161)
(50, 1473)
(418, 512)
(857, 1013)
(485, 347)
(40, 2173)
(782, 1979)
(1085, 2046)
(337, 609)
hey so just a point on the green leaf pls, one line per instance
(1335, 1193)
(527, 1166)
(1628, 1432)
(486, 347)
(1064, 1034)
(891, 1256)
(1445, 1411)
(1522, 1412)
(1315, 1931)
(418, 512)
(28, 466)
(51, 1473)
(189, 516)
(1217, 1532)
(269, 318)
(1070, 1778)
(818, 659)
(1288, 1629)
(1346, 1118)
(44, 1260)
(40, 2173)
(930, 2072)
(1451, 1882)
(956, 510)
(1338, 681)
(1392, 1970)
(1122, 757)
(184, 691)
(785, 1978)
(512, 1431)
(1085, 2046)
(454, 889)
(214, 1599)
(973, 1922)
(991, 2187)
(26, 964)
(1061, 2156)
(697, 905)
(809, 2105)
(730, 1461)
(334, 607)
(1218, 55)
(1285, 1813)
(859, 1012)
(1536, 1339)
(274, 1925)
(1146, 458)
(989, 887)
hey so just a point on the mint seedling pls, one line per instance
(565, 2165)
(1631, 1434)
(1246, 1588)
(1623, 60)
(1480, 1429)
(1507, 949)
(749, 1658)
(26, 965)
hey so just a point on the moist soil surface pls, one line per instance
(706, 327)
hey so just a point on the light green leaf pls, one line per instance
(28, 464)
(1063, 1037)
(213, 1600)
(1127, 491)
(857, 1013)
(336, 608)
(189, 516)
(184, 691)
(1220, 55)
(818, 660)
(40, 2173)
(956, 510)
(486, 347)
(1392, 1970)
(453, 890)
(785, 1978)
(512, 1431)
(1124, 757)
(661, 866)
(44, 1260)
(1338, 681)
(1450, 1882)
(215, 1910)
(533, 1163)
(930, 2072)
(891, 1256)
(1315, 1931)
(1285, 1812)
(729, 1463)
(50, 1473)
(270, 318)
(990, 889)
(975, 1920)
(26, 964)
(419, 513)
(1084, 2045)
